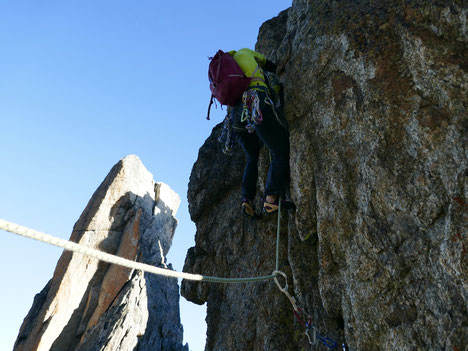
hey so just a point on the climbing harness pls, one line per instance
(311, 331)
(252, 114)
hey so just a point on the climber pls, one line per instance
(255, 119)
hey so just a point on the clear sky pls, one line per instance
(86, 83)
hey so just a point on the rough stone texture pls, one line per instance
(91, 305)
(376, 96)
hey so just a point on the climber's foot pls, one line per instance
(248, 208)
(272, 207)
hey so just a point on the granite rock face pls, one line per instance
(376, 96)
(91, 305)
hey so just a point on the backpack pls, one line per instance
(227, 80)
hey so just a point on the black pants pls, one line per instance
(275, 136)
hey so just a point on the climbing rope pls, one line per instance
(103, 256)
(311, 331)
(278, 235)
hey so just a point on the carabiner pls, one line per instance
(313, 338)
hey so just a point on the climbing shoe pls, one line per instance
(270, 208)
(248, 208)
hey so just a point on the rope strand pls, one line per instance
(103, 256)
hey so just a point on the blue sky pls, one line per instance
(86, 83)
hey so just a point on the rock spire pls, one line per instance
(91, 305)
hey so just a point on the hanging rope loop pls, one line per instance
(277, 273)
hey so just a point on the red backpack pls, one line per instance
(227, 80)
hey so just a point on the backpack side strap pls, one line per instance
(256, 79)
(209, 107)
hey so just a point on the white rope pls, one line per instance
(88, 251)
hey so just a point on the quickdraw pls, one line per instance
(251, 113)
(311, 332)
(226, 137)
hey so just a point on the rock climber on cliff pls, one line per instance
(254, 119)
